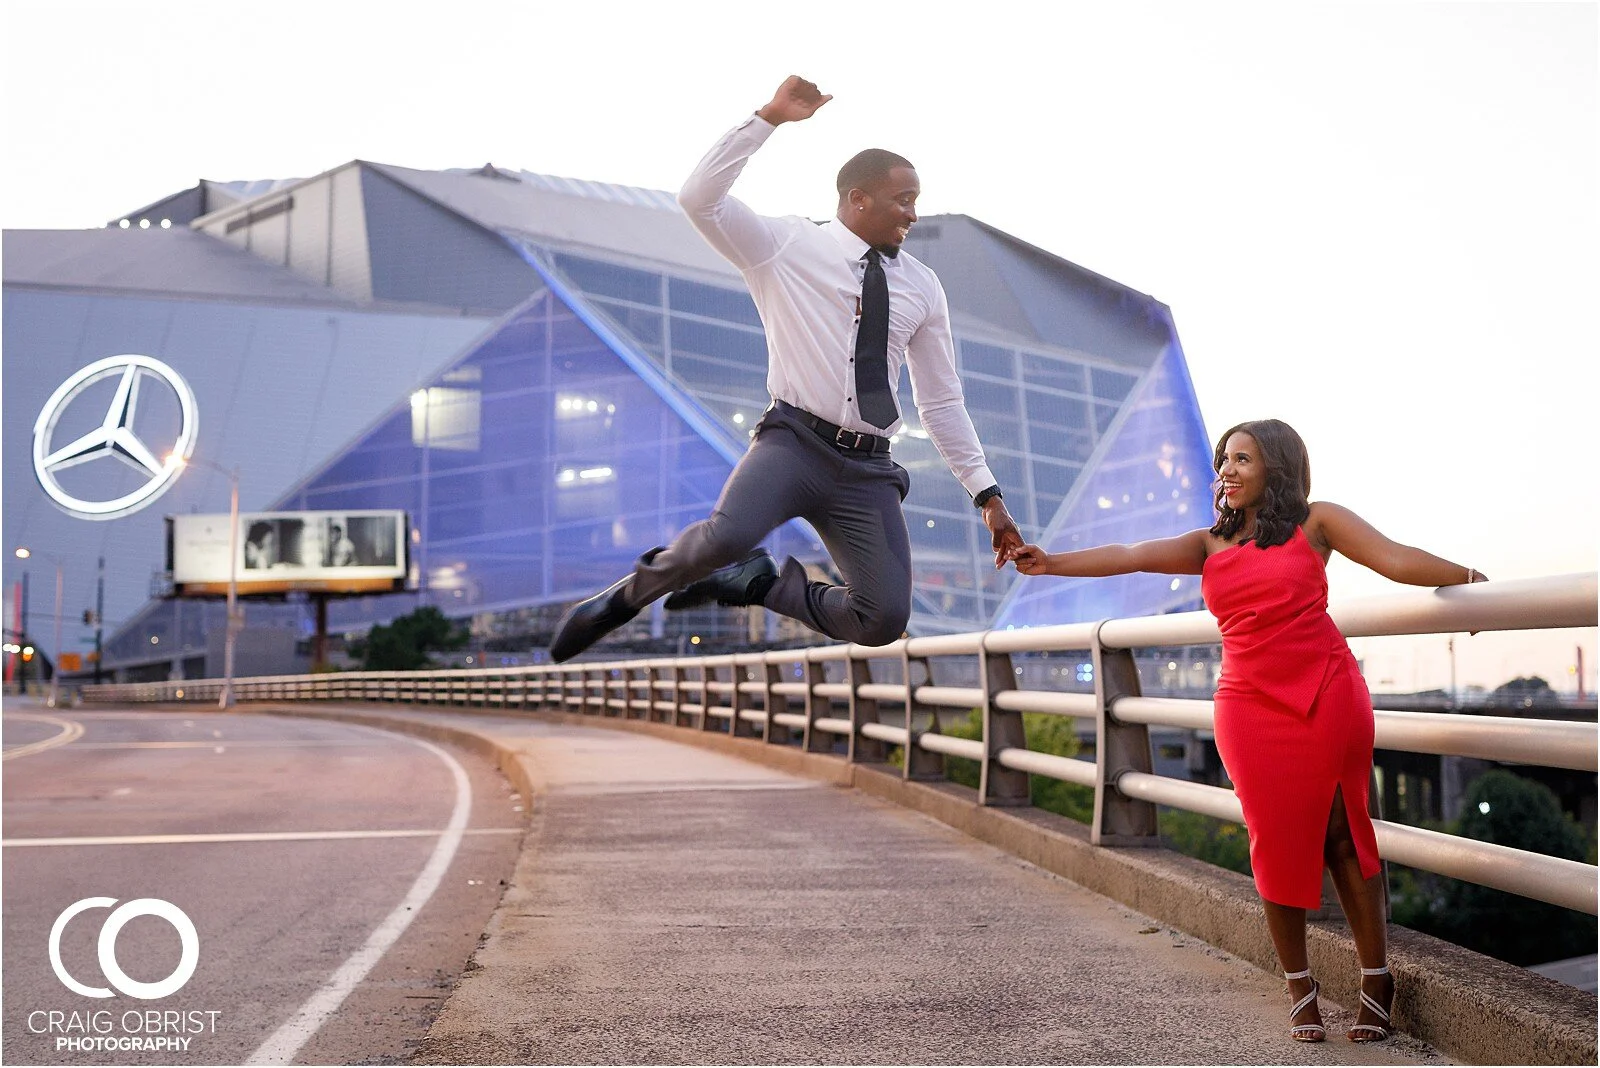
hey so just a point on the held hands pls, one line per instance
(1031, 560)
(1007, 538)
(796, 99)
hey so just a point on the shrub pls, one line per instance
(1055, 735)
(1505, 809)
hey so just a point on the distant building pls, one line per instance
(551, 376)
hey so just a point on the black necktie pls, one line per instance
(874, 397)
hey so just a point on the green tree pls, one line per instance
(1046, 734)
(1506, 809)
(1525, 686)
(1221, 842)
(404, 644)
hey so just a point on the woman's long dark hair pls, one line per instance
(1283, 505)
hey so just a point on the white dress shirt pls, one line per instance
(806, 282)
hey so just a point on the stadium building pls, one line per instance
(549, 376)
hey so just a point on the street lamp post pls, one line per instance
(233, 590)
(55, 667)
(226, 698)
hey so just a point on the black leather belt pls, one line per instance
(835, 435)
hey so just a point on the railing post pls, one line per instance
(628, 679)
(776, 733)
(920, 763)
(652, 675)
(863, 750)
(641, 677)
(560, 676)
(1121, 747)
(708, 675)
(737, 727)
(817, 706)
(998, 785)
(673, 673)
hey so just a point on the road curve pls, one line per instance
(308, 855)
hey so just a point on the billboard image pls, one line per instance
(328, 552)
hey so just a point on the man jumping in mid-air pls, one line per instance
(843, 310)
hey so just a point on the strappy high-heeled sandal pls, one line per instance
(1306, 1032)
(1376, 1032)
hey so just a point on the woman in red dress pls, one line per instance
(1293, 715)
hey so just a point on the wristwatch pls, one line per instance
(984, 496)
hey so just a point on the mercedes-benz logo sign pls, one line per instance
(114, 437)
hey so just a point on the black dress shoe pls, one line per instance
(588, 621)
(746, 582)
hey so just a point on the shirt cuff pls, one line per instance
(977, 480)
(757, 127)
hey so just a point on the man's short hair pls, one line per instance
(868, 167)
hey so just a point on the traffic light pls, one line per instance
(88, 617)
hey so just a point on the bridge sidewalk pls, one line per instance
(674, 905)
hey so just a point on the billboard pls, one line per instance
(320, 552)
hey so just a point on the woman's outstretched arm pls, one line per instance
(1345, 532)
(1182, 555)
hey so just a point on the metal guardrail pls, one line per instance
(787, 697)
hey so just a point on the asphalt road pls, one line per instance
(331, 915)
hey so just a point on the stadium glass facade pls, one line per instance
(605, 375)
(604, 415)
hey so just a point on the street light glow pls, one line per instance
(23, 553)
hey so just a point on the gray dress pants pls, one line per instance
(852, 499)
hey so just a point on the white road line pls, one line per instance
(243, 836)
(286, 1041)
(200, 712)
(226, 743)
(70, 732)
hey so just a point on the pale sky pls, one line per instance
(1375, 221)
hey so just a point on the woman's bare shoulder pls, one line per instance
(1322, 515)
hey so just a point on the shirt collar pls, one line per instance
(854, 248)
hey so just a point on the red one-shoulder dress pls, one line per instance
(1293, 715)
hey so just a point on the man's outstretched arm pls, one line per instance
(744, 238)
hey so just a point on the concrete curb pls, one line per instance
(1468, 1005)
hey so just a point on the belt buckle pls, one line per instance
(838, 439)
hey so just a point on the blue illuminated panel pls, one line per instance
(536, 469)
(1151, 479)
